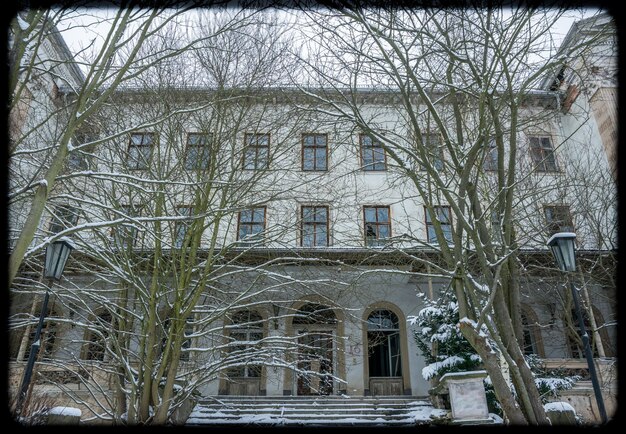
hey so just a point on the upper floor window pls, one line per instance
(125, 234)
(442, 215)
(434, 148)
(181, 227)
(198, 151)
(372, 154)
(140, 150)
(377, 225)
(64, 216)
(542, 153)
(256, 152)
(314, 152)
(314, 226)
(491, 155)
(251, 224)
(558, 219)
(186, 346)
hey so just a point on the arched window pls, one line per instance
(47, 337)
(532, 343)
(383, 343)
(575, 342)
(316, 326)
(96, 336)
(244, 337)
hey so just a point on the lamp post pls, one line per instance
(57, 253)
(562, 246)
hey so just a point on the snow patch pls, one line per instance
(559, 407)
(65, 411)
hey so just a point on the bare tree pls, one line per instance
(463, 116)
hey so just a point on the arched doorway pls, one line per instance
(315, 325)
(384, 353)
(244, 334)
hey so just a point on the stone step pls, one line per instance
(321, 411)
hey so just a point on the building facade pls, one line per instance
(260, 244)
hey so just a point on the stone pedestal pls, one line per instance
(468, 400)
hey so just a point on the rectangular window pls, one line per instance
(442, 215)
(198, 151)
(491, 155)
(542, 153)
(63, 217)
(558, 219)
(432, 141)
(251, 224)
(314, 152)
(125, 234)
(140, 150)
(372, 154)
(182, 226)
(314, 226)
(184, 350)
(377, 225)
(256, 151)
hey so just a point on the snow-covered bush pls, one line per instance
(550, 382)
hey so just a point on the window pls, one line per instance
(198, 151)
(140, 150)
(182, 226)
(96, 337)
(558, 219)
(314, 226)
(184, 352)
(372, 154)
(47, 337)
(64, 216)
(314, 152)
(251, 224)
(377, 225)
(256, 152)
(530, 342)
(542, 154)
(442, 215)
(125, 234)
(247, 331)
(383, 344)
(432, 141)
(491, 155)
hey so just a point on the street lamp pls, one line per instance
(562, 246)
(57, 253)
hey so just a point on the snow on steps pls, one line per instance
(313, 411)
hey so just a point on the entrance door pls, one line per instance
(315, 363)
(383, 343)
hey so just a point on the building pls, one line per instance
(252, 242)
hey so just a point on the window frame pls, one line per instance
(542, 157)
(177, 241)
(251, 223)
(429, 223)
(362, 148)
(124, 235)
(378, 240)
(558, 225)
(256, 147)
(203, 149)
(436, 159)
(60, 220)
(314, 224)
(131, 145)
(490, 162)
(315, 147)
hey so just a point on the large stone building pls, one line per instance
(283, 240)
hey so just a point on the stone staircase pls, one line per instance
(336, 411)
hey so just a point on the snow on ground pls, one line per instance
(418, 414)
(65, 411)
